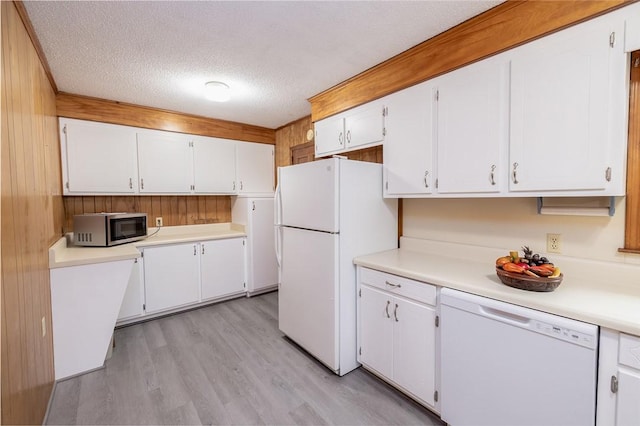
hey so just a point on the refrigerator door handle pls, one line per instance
(277, 207)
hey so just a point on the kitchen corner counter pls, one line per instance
(583, 295)
(64, 254)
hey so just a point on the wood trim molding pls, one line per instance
(505, 26)
(632, 218)
(94, 109)
(22, 12)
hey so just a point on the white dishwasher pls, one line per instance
(503, 364)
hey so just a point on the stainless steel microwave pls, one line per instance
(108, 229)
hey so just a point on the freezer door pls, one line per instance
(308, 195)
(307, 298)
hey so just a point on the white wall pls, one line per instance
(510, 223)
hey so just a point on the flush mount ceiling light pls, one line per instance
(217, 91)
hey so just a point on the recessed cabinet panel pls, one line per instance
(472, 129)
(165, 163)
(628, 404)
(560, 105)
(214, 165)
(364, 125)
(256, 168)
(171, 276)
(376, 330)
(100, 158)
(222, 267)
(408, 144)
(414, 353)
(330, 135)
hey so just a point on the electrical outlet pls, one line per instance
(44, 326)
(554, 243)
(158, 221)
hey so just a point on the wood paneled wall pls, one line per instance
(174, 210)
(632, 224)
(505, 26)
(86, 108)
(31, 220)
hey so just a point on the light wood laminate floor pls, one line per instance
(224, 364)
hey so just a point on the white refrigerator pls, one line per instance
(328, 212)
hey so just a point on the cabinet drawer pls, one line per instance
(629, 351)
(422, 292)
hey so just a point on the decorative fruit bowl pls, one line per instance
(530, 272)
(525, 282)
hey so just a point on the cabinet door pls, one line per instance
(256, 168)
(414, 353)
(134, 295)
(560, 110)
(263, 271)
(472, 128)
(364, 125)
(330, 136)
(100, 158)
(408, 144)
(376, 330)
(171, 276)
(222, 267)
(628, 404)
(214, 165)
(165, 163)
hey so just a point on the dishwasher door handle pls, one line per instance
(504, 316)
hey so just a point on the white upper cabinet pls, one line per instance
(472, 127)
(97, 158)
(329, 135)
(165, 163)
(408, 144)
(256, 168)
(566, 96)
(356, 128)
(102, 159)
(214, 165)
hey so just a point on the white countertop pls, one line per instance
(63, 253)
(582, 295)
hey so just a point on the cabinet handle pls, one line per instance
(241, 186)
(234, 185)
(491, 175)
(348, 136)
(614, 384)
(130, 183)
(340, 138)
(392, 284)
(203, 249)
(386, 309)
(195, 253)
(254, 206)
(426, 175)
(395, 312)
(515, 175)
(141, 183)
(607, 174)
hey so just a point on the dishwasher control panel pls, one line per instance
(567, 334)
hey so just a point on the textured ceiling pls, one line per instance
(273, 54)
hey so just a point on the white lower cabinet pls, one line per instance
(171, 276)
(618, 379)
(132, 304)
(222, 267)
(397, 332)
